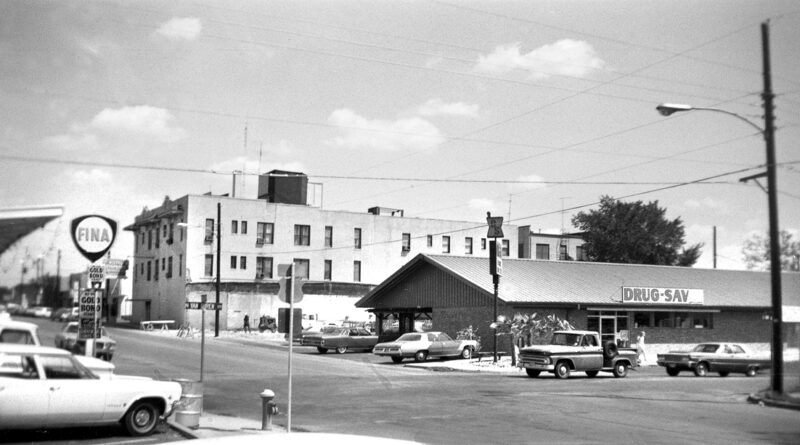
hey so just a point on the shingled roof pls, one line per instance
(573, 282)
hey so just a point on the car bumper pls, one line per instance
(537, 365)
(676, 365)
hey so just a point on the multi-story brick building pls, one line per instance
(341, 255)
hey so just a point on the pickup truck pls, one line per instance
(576, 351)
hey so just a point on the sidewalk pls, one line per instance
(213, 425)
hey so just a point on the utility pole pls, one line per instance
(219, 260)
(774, 240)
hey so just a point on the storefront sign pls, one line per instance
(662, 295)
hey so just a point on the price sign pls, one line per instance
(96, 273)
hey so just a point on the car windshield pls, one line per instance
(410, 337)
(71, 329)
(705, 348)
(330, 329)
(565, 339)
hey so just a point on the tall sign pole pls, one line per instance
(290, 295)
(495, 265)
(219, 260)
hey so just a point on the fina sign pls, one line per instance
(660, 295)
(93, 235)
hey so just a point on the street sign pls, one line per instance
(113, 267)
(201, 305)
(96, 273)
(495, 226)
(93, 235)
(194, 305)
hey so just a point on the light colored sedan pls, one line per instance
(43, 387)
(104, 347)
(421, 345)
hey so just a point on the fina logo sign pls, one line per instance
(93, 235)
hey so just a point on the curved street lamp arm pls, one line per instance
(731, 113)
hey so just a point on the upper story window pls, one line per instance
(357, 238)
(233, 261)
(169, 268)
(468, 245)
(155, 270)
(208, 268)
(506, 248)
(406, 242)
(328, 236)
(328, 272)
(302, 235)
(150, 239)
(430, 240)
(445, 244)
(158, 238)
(171, 232)
(243, 227)
(264, 233)
(209, 230)
(357, 271)
(164, 228)
(542, 251)
(234, 227)
(243, 262)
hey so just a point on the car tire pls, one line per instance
(751, 371)
(341, 349)
(532, 372)
(620, 369)
(610, 350)
(673, 372)
(466, 353)
(397, 359)
(421, 356)
(141, 419)
(701, 369)
(591, 374)
(322, 350)
(562, 370)
(724, 373)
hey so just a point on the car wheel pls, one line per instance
(610, 350)
(751, 371)
(322, 350)
(620, 369)
(562, 370)
(341, 349)
(701, 369)
(532, 372)
(141, 419)
(421, 356)
(591, 373)
(672, 372)
(723, 373)
(466, 353)
(397, 359)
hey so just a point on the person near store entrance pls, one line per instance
(642, 356)
(246, 326)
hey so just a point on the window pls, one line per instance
(149, 270)
(155, 270)
(150, 239)
(180, 265)
(430, 240)
(483, 243)
(445, 244)
(158, 238)
(169, 267)
(233, 261)
(165, 230)
(141, 269)
(181, 231)
(163, 263)
(580, 254)
(562, 252)
(243, 228)
(263, 267)
(328, 272)
(506, 248)
(328, 236)
(234, 227)
(468, 245)
(357, 271)
(357, 238)
(208, 270)
(301, 268)
(264, 233)
(641, 319)
(171, 233)
(209, 230)
(406, 242)
(144, 235)
(542, 251)
(243, 262)
(302, 235)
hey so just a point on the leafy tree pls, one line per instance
(531, 329)
(756, 252)
(634, 233)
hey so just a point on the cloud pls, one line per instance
(483, 204)
(565, 57)
(251, 166)
(72, 142)
(533, 182)
(435, 107)
(706, 203)
(181, 29)
(142, 120)
(94, 176)
(358, 132)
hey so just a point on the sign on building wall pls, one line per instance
(662, 295)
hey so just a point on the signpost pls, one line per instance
(203, 306)
(495, 264)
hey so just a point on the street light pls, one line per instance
(768, 132)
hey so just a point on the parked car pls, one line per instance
(49, 388)
(19, 332)
(722, 358)
(39, 311)
(104, 347)
(314, 330)
(342, 340)
(422, 345)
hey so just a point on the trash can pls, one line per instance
(189, 408)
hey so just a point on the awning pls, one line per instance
(17, 223)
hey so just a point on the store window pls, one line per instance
(542, 251)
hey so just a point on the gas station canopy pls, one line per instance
(17, 223)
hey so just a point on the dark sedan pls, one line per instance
(342, 340)
(722, 358)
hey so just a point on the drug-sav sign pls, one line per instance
(93, 235)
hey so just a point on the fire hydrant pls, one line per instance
(268, 409)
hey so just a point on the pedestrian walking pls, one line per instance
(642, 355)
(246, 325)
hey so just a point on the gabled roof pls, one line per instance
(577, 282)
(16, 223)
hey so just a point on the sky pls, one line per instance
(531, 110)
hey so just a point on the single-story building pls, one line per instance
(675, 306)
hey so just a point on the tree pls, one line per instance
(756, 252)
(634, 233)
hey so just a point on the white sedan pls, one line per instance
(43, 387)
(422, 345)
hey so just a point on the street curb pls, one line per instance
(182, 430)
(763, 399)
